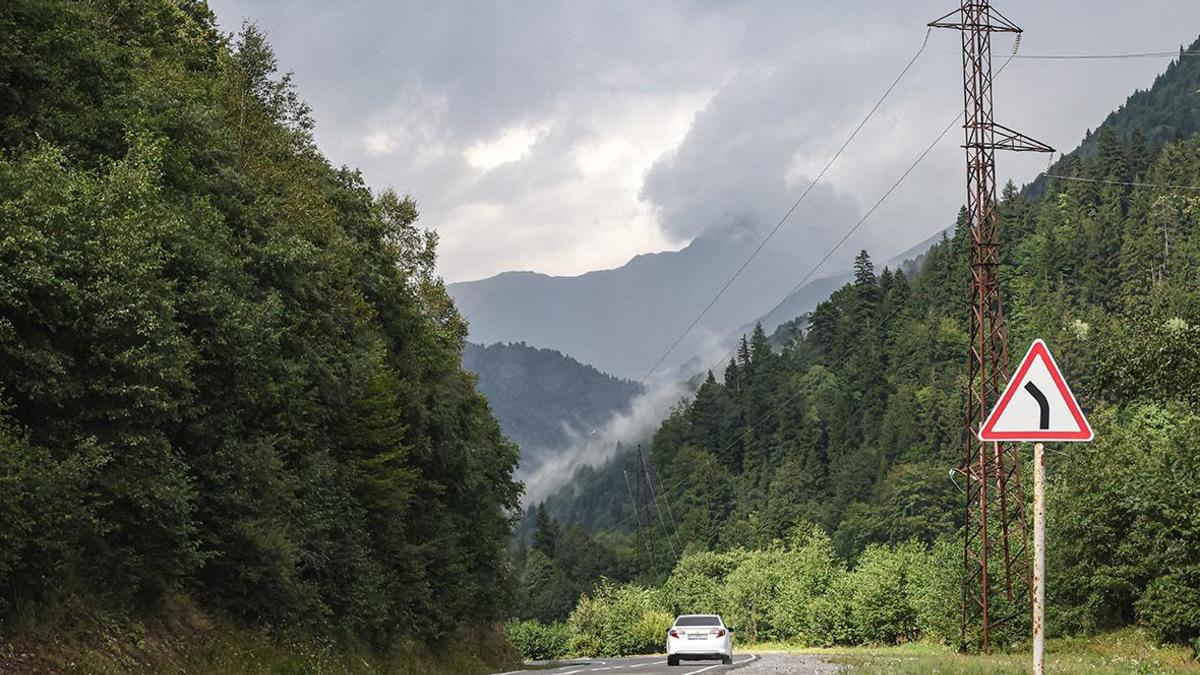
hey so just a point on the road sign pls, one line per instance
(1037, 404)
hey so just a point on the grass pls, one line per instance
(180, 639)
(1124, 651)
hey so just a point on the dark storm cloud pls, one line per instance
(563, 137)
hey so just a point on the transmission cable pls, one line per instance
(1164, 186)
(1088, 57)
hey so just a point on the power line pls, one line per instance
(654, 498)
(1087, 57)
(668, 503)
(787, 215)
(1164, 186)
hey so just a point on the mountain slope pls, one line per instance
(544, 399)
(229, 373)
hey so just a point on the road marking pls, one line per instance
(735, 663)
(648, 663)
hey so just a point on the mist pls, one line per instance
(596, 446)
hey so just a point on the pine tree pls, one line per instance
(545, 533)
(864, 270)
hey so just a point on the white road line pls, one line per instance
(736, 663)
(648, 663)
(704, 669)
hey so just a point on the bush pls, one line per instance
(1170, 607)
(881, 604)
(829, 620)
(697, 585)
(754, 590)
(539, 641)
(936, 590)
(619, 621)
(811, 569)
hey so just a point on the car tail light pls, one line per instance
(674, 633)
(717, 632)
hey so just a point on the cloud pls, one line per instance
(511, 145)
(566, 137)
(594, 447)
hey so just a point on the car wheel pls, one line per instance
(672, 660)
(727, 660)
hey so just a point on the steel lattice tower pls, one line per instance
(995, 504)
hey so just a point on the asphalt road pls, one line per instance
(639, 665)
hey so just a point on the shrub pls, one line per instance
(810, 569)
(539, 641)
(830, 621)
(753, 590)
(1170, 607)
(697, 585)
(619, 620)
(881, 604)
(936, 591)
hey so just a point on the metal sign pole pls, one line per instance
(1039, 559)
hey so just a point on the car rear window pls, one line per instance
(698, 621)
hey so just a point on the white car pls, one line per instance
(699, 636)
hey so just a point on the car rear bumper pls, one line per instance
(699, 649)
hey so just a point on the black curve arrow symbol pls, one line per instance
(1044, 422)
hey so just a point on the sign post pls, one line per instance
(1039, 559)
(1037, 405)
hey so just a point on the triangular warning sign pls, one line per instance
(1037, 404)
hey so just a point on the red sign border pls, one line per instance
(1037, 349)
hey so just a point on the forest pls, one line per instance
(229, 376)
(839, 445)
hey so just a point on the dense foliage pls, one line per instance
(797, 590)
(226, 368)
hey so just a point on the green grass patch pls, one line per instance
(1119, 652)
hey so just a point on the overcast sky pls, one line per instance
(563, 137)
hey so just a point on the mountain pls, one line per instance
(543, 399)
(621, 320)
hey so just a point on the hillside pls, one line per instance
(543, 399)
(231, 380)
(1149, 118)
